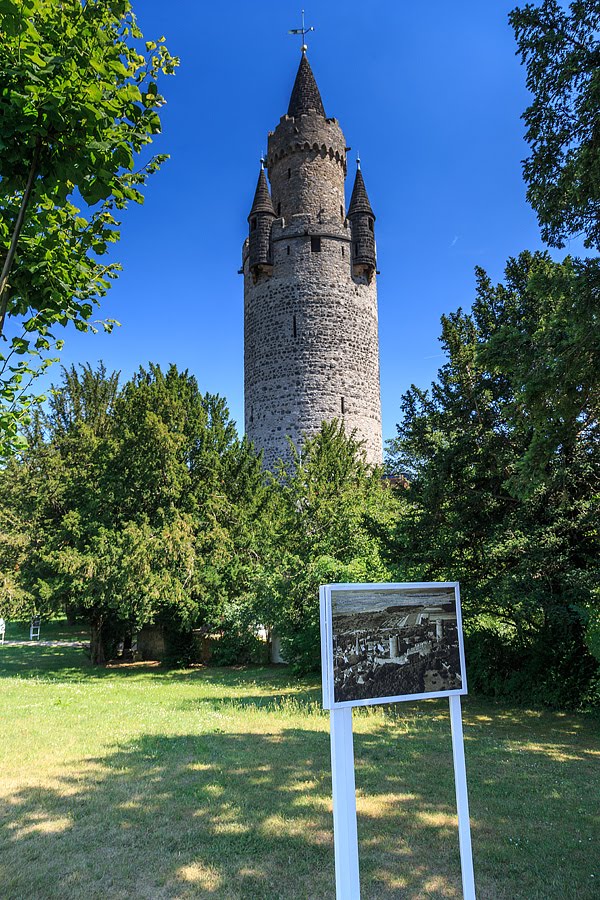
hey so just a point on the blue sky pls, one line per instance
(430, 94)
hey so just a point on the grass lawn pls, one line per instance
(50, 630)
(148, 783)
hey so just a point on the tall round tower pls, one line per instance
(311, 349)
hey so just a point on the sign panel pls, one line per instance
(383, 643)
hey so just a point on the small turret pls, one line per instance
(362, 222)
(260, 220)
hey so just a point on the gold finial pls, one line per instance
(302, 31)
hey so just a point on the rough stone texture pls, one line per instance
(306, 160)
(362, 220)
(151, 642)
(311, 349)
(260, 220)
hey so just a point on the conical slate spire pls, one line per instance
(262, 202)
(359, 202)
(305, 93)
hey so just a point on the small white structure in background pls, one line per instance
(276, 655)
(410, 648)
(2, 630)
(34, 629)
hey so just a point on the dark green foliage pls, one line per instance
(504, 458)
(556, 671)
(180, 643)
(86, 396)
(131, 507)
(239, 648)
(561, 50)
(331, 507)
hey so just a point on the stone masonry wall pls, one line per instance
(306, 161)
(260, 239)
(311, 339)
(363, 241)
(311, 349)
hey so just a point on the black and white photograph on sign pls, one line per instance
(395, 642)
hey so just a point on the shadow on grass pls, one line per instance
(243, 809)
(47, 663)
(248, 815)
(217, 815)
(233, 688)
(73, 664)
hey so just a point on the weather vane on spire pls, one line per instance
(302, 31)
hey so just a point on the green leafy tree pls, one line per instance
(561, 50)
(234, 514)
(134, 507)
(504, 461)
(86, 396)
(78, 106)
(46, 481)
(15, 540)
(331, 511)
(546, 342)
(91, 548)
(180, 447)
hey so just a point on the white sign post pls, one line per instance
(462, 801)
(408, 636)
(347, 883)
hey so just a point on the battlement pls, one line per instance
(309, 132)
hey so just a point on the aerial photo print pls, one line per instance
(396, 642)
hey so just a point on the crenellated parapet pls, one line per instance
(310, 132)
(306, 161)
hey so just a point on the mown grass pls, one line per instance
(50, 630)
(148, 783)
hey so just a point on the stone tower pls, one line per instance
(311, 349)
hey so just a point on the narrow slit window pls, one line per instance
(371, 224)
(295, 328)
(289, 173)
(288, 249)
(254, 224)
(356, 249)
(342, 211)
(343, 250)
(315, 244)
(279, 209)
(343, 405)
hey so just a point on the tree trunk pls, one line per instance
(97, 655)
(72, 613)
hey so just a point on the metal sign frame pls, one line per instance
(329, 701)
(342, 748)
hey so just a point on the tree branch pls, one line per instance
(8, 262)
